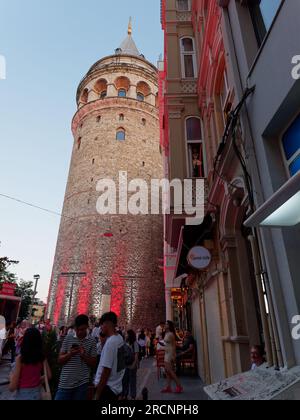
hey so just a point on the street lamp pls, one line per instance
(72, 276)
(36, 278)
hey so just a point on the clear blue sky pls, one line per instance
(49, 45)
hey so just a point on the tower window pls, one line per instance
(142, 91)
(85, 96)
(121, 117)
(121, 135)
(140, 97)
(101, 88)
(98, 119)
(103, 94)
(79, 143)
(122, 93)
(144, 122)
(93, 161)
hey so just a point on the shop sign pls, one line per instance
(199, 258)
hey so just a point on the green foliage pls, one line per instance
(5, 275)
(24, 290)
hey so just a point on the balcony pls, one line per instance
(184, 16)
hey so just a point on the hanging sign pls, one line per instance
(199, 258)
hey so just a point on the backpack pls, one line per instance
(129, 355)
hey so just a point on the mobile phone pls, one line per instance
(75, 346)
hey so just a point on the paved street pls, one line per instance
(147, 377)
(4, 377)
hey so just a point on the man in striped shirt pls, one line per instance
(78, 356)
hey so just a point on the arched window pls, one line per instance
(144, 122)
(85, 96)
(121, 134)
(140, 97)
(188, 58)
(122, 85)
(121, 117)
(122, 93)
(100, 88)
(103, 94)
(195, 147)
(142, 91)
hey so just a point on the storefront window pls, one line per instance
(263, 13)
(291, 147)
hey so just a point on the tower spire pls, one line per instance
(130, 26)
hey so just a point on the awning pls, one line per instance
(282, 209)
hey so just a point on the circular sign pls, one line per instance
(199, 258)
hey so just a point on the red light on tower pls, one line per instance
(108, 235)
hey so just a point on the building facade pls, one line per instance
(264, 57)
(221, 304)
(111, 262)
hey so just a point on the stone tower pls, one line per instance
(116, 128)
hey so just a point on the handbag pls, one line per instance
(46, 393)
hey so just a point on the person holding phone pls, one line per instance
(78, 356)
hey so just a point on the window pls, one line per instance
(183, 5)
(140, 97)
(195, 148)
(85, 96)
(291, 147)
(143, 90)
(188, 58)
(98, 119)
(263, 13)
(100, 87)
(226, 105)
(144, 122)
(122, 93)
(121, 117)
(103, 94)
(93, 161)
(79, 143)
(121, 136)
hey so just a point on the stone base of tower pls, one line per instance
(121, 258)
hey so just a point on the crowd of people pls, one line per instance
(104, 355)
(98, 363)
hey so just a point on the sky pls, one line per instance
(49, 45)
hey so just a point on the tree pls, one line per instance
(5, 275)
(24, 290)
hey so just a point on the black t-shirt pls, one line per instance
(187, 343)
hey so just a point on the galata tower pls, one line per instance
(111, 262)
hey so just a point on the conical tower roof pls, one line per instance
(128, 46)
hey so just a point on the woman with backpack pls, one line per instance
(27, 377)
(130, 377)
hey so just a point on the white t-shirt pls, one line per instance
(109, 359)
